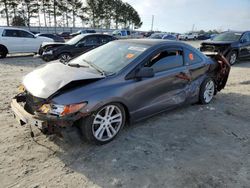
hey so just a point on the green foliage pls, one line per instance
(18, 21)
(97, 13)
(105, 12)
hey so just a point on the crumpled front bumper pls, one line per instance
(23, 117)
(45, 122)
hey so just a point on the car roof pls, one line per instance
(94, 34)
(14, 28)
(153, 42)
(234, 32)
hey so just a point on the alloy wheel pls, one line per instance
(209, 91)
(107, 123)
(65, 58)
(233, 58)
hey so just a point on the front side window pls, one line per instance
(10, 33)
(25, 34)
(246, 37)
(91, 41)
(104, 39)
(165, 60)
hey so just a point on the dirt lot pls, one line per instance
(193, 146)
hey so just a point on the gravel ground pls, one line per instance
(192, 146)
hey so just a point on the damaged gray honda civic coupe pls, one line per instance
(120, 82)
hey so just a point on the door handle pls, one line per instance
(184, 75)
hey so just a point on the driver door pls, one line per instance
(166, 89)
(86, 44)
(245, 46)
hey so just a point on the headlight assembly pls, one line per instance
(50, 52)
(61, 110)
(21, 88)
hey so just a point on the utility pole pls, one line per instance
(152, 23)
(193, 28)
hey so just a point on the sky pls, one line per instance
(181, 15)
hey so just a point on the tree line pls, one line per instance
(94, 13)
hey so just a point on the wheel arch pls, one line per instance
(63, 52)
(4, 47)
(126, 109)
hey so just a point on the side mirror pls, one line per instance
(243, 40)
(145, 72)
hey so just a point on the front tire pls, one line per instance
(232, 57)
(104, 125)
(65, 57)
(207, 91)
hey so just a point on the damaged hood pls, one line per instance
(46, 80)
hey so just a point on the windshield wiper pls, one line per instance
(95, 67)
(77, 65)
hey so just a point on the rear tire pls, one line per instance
(207, 91)
(104, 125)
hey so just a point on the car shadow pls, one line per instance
(181, 148)
(22, 60)
(243, 63)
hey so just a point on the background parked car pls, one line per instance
(233, 45)
(188, 36)
(157, 35)
(65, 35)
(163, 36)
(204, 36)
(56, 38)
(15, 40)
(121, 33)
(83, 31)
(75, 46)
(148, 34)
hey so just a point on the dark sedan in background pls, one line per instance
(55, 37)
(65, 35)
(163, 36)
(83, 31)
(233, 45)
(122, 81)
(74, 47)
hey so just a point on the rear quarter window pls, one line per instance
(191, 57)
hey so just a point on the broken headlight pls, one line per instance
(61, 110)
(21, 88)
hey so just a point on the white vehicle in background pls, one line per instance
(188, 36)
(15, 40)
(123, 33)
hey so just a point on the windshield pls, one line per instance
(74, 40)
(111, 57)
(229, 36)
